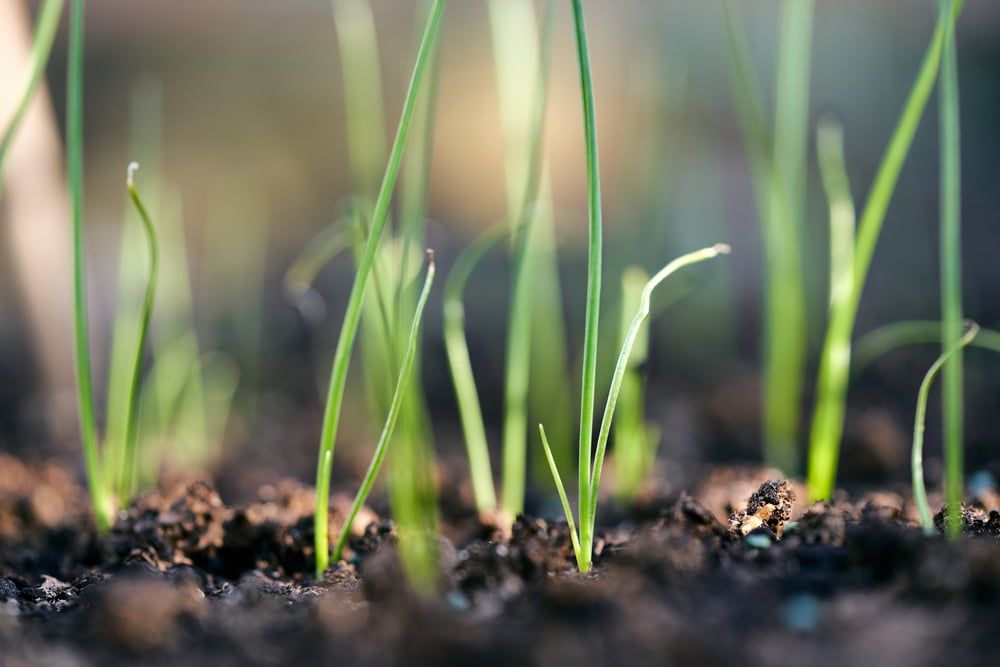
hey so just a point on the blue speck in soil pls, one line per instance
(980, 482)
(801, 612)
(458, 601)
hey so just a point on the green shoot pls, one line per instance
(951, 279)
(588, 516)
(828, 423)
(394, 408)
(563, 498)
(517, 371)
(635, 440)
(126, 482)
(362, 75)
(46, 27)
(99, 497)
(594, 258)
(778, 168)
(462, 377)
(834, 374)
(917, 455)
(345, 343)
(888, 337)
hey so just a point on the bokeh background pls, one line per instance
(253, 163)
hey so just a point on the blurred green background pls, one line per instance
(248, 97)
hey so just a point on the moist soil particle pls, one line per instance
(185, 579)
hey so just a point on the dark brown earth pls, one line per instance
(184, 579)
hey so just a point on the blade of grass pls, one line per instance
(582, 560)
(951, 281)
(517, 371)
(463, 379)
(594, 259)
(315, 255)
(836, 353)
(889, 337)
(127, 475)
(917, 454)
(99, 497)
(588, 520)
(46, 27)
(345, 343)
(364, 110)
(824, 446)
(394, 408)
(631, 447)
(784, 339)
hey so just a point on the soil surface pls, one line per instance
(739, 572)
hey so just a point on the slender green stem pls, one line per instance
(785, 351)
(127, 475)
(827, 428)
(588, 520)
(462, 376)
(358, 44)
(917, 454)
(594, 257)
(390, 423)
(349, 329)
(632, 445)
(888, 337)
(99, 496)
(834, 371)
(582, 558)
(517, 372)
(46, 27)
(951, 280)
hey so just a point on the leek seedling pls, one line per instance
(522, 110)
(779, 169)
(457, 349)
(352, 316)
(888, 337)
(917, 455)
(635, 440)
(46, 27)
(828, 422)
(951, 280)
(583, 543)
(394, 408)
(102, 489)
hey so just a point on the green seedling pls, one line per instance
(778, 166)
(889, 337)
(349, 328)
(951, 279)
(917, 455)
(46, 27)
(583, 542)
(635, 440)
(102, 489)
(394, 409)
(828, 417)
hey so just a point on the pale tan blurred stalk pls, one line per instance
(34, 211)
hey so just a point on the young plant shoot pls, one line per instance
(889, 337)
(394, 408)
(635, 440)
(828, 416)
(917, 454)
(352, 316)
(951, 280)
(584, 541)
(46, 27)
(778, 167)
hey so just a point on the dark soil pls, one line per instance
(184, 579)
